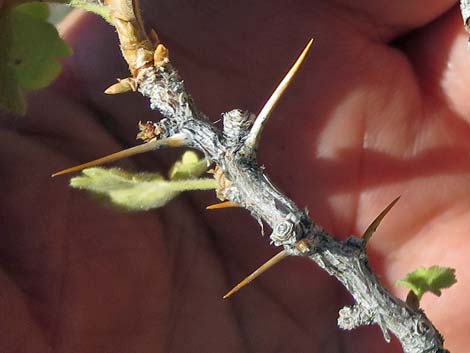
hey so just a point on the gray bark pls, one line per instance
(465, 10)
(248, 185)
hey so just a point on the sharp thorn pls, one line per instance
(117, 88)
(227, 204)
(176, 140)
(149, 146)
(375, 224)
(254, 135)
(264, 267)
(122, 86)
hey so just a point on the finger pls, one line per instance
(392, 18)
(440, 57)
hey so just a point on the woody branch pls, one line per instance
(242, 181)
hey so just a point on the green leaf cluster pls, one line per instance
(432, 279)
(30, 48)
(144, 191)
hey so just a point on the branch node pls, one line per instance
(223, 184)
(237, 124)
(148, 131)
(286, 231)
(351, 317)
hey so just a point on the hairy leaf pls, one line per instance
(94, 6)
(29, 51)
(144, 191)
(189, 167)
(432, 279)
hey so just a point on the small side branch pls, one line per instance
(347, 261)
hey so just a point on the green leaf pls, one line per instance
(11, 94)
(144, 191)
(36, 9)
(36, 46)
(432, 279)
(93, 6)
(136, 192)
(190, 166)
(30, 48)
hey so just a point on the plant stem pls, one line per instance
(242, 181)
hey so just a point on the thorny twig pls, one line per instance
(242, 182)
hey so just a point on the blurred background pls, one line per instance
(58, 12)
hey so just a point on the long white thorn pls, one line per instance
(254, 135)
(173, 141)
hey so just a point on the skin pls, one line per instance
(380, 109)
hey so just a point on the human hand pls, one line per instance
(364, 122)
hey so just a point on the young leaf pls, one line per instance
(190, 166)
(144, 191)
(36, 46)
(93, 6)
(432, 279)
(35, 9)
(29, 51)
(136, 192)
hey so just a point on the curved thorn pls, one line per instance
(262, 118)
(374, 225)
(153, 144)
(268, 264)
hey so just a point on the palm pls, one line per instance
(359, 127)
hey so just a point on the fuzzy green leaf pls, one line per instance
(29, 51)
(432, 279)
(36, 46)
(144, 191)
(92, 6)
(189, 167)
(136, 192)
